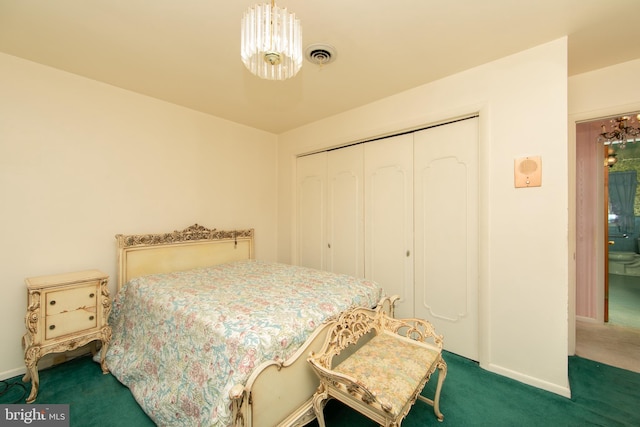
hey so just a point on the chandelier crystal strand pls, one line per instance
(271, 42)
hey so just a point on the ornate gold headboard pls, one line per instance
(193, 247)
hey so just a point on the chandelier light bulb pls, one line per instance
(272, 58)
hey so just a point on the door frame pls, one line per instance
(606, 242)
(574, 119)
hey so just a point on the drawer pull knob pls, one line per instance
(91, 295)
(91, 317)
(52, 327)
(53, 302)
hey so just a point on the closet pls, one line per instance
(388, 217)
(402, 211)
(329, 215)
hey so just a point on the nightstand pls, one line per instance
(64, 312)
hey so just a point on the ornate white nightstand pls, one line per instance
(64, 312)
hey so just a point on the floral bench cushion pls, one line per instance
(391, 367)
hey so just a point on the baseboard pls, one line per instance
(587, 320)
(52, 359)
(564, 391)
(5, 375)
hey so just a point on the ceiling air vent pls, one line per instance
(320, 54)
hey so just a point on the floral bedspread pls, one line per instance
(182, 340)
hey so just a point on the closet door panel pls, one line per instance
(446, 232)
(345, 240)
(311, 210)
(389, 218)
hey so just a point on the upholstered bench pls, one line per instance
(386, 374)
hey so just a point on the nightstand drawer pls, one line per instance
(66, 300)
(70, 322)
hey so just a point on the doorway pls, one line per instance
(622, 229)
(596, 226)
(607, 199)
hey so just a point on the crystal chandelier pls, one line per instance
(271, 42)
(622, 131)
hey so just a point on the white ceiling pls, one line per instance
(187, 51)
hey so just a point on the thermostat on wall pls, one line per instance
(528, 172)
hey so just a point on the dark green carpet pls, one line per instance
(601, 396)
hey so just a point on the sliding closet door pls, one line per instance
(446, 232)
(345, 217)
(388, 214)
(311, 180)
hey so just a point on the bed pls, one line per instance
(190, 360)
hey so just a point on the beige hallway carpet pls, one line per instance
(609, 344)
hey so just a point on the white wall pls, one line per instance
(610, 90)
(522, 100)
(81, 161)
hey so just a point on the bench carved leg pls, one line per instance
(319, 400)
(442, 373)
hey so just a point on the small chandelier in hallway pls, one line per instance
(271, 42)
(622, 130)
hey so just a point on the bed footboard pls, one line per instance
(280, 394)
